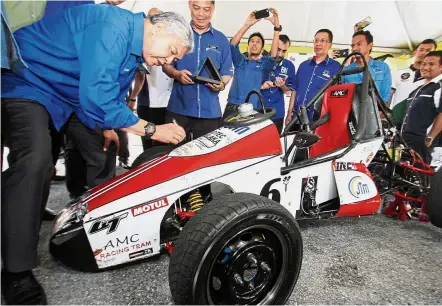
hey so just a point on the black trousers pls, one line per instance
(279, 124)
(156, 115)
(26, 129)
(123, 154)
(87, 164)
(194, 127)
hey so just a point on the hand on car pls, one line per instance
(110, 136)
(169, 133)
(182, 76)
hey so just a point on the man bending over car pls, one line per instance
(84, 66)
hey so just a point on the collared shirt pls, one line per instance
(198, 100)
(274, 96)
(160, 87)
(424, 105)
(248, 76)
(404, 82)
(310, 78)
(380, 73)
(80, 60)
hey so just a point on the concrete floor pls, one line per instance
(368, 260)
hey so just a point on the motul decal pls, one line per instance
(148, 207)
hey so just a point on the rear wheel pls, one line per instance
(151, 154)
(238, 249)
(434, 204)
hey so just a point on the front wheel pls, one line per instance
(434, 204)
(238, 249)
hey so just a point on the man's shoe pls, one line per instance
(124, 164)
(49, 215)
(22, 289)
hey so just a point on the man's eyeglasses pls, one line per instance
(320, 41)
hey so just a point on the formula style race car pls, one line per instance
(242, 244)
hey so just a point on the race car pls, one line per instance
(243, 245)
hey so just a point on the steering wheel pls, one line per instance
(247, 115)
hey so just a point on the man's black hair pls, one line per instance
(436, 53)
(284, 38)
(256, 34)
(367, 34)
(427, 41)
(330, 34)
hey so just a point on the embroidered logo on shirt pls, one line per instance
(326, 74)
(405, 76)
(126, 69)
(212, 47)
(284, 70)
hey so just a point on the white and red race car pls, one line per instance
(243, 246)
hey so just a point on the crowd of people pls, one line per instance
(73, 75)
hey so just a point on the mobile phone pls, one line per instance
(262, 14)
(343, 52)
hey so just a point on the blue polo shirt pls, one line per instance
(248, 76)
(274, 97)
(198, 100)
(310, 78)
(380, 73)
(80, 60)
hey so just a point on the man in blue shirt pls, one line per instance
(83, 65)
(249, 71)
(195, 106)
(362, 42)
(278, 81)
(313, 74)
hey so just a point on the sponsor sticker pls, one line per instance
(109, 224)
(148, 207)
(140, 253)
(343, 166)
(357, 187)
(340, 93)
(405, 76)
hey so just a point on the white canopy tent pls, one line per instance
(398, 26)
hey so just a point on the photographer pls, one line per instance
(249, 71)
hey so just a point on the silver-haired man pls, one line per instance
(80, 61)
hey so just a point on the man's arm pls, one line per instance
(274, 19)
(386, 85)
(435, 129)
(138, 85)
(291, 107)
(182, 76)
(99, 85)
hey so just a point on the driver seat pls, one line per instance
(337, 122)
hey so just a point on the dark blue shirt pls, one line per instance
(80, 60)
(381, 74)
(310, 79)
(198, 100)
(274, 96)
(248, 76)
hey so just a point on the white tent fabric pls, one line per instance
(399, 25)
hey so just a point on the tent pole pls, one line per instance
(407, 37)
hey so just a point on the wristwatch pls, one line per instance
(149, 130)
(279, 29)
(429, 139)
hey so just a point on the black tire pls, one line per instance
(237, 225)
(151, 154)
(434, 204)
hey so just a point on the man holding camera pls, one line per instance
(249, 71)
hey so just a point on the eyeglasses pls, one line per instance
(320, 41)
